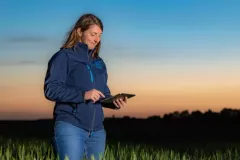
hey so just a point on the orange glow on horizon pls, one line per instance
(149, 102)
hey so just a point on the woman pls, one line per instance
(76, 80)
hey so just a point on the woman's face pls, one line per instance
(91, 37)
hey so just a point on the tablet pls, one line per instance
(108, 102)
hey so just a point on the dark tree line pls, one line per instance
(172, 127)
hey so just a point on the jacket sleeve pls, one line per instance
(55, 88)
(107, 91)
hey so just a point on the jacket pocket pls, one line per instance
(67, 107)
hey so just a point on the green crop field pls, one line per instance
(39, 149)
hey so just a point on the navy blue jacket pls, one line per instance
(71, 72)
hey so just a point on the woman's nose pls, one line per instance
(97, 39)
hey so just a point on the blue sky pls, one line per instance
(176, 49)
(178, 28)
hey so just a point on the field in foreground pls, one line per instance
(40, 150)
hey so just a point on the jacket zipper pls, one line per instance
(94, 109)
(91, 74)
(94, 115)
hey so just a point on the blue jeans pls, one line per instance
(75, 143)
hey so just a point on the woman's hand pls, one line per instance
(93, 95)
(120, 102)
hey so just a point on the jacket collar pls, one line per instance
(82, 52)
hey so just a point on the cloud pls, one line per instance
(24, 39)
(17, 63)
(26, 62)
(4, 87)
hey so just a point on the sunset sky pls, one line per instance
(174, 55)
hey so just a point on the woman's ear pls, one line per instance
(79, 32)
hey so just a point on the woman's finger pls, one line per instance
(125, 99)
(94, 98)
(97, 96)
(115, 103)
(119, 101)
